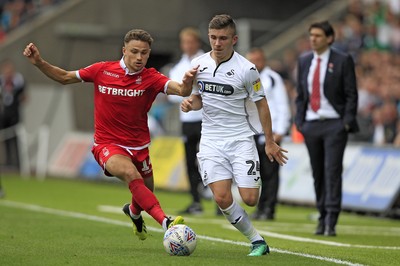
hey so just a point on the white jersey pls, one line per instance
(228, 91)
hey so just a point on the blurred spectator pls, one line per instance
(190, 45)
(14, 13)
(12, 95)
(385, 122)
(276, 94)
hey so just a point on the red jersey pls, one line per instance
(122, 101)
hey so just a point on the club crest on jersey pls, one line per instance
(139, 80)
(216, 88)
(230, 74)
(257, 85)
(106, 152)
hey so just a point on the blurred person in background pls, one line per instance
(12, 96)
(385, 119)
(278, 102)
(124, 91)
(190, 45)
(326, 103)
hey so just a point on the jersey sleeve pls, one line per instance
(160, 81)
(89, 73)
(253, 84)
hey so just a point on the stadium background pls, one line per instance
(76, 33)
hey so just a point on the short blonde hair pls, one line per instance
(191, 31)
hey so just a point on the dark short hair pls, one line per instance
(221, 22)
(326, 27)
(139, 35)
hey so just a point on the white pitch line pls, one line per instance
(113, 209)
(311, 240)
(324, 242)
(83, 216)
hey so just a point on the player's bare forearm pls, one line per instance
(58, 74)
(185, 87)
(265, 118)
(55, 73)
(187, 81)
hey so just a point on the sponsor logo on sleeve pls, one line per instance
(257, 85)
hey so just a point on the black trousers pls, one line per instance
(269, 172)
(326, 141)
(191, 132)
(8, 119)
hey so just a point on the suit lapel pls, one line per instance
(329, 74)
(307, 64)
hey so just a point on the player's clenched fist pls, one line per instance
(32, 53)
(186, 105)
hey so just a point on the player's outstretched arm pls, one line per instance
(55, 73)
(273, 150)
(185, 88)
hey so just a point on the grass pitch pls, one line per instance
(72, 222)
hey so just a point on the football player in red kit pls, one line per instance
(124, 91)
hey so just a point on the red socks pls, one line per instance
(144, 198)
(135, 208)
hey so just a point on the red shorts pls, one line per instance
(140, 158)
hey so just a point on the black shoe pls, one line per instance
(195, 208)
(330, 231)
(320, 229)
(171, 222)
(139, 227)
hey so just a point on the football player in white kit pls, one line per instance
(228, 86)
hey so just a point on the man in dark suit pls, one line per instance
(326, 112)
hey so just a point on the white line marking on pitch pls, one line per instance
(113, 209)
(324, 242)
(83, 216)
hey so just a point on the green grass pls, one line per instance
(58, 222)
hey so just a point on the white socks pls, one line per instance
(238, 217)
(164, 224)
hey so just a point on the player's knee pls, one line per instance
(130, 174)
(223, 201)
(250, 200)
(219, 200)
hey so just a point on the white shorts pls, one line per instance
(231, 159)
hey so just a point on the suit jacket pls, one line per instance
(340, 88)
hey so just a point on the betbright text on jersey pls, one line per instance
(122, 101)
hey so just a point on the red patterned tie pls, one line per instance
(315, 94)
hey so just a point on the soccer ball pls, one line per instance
(180, 240)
